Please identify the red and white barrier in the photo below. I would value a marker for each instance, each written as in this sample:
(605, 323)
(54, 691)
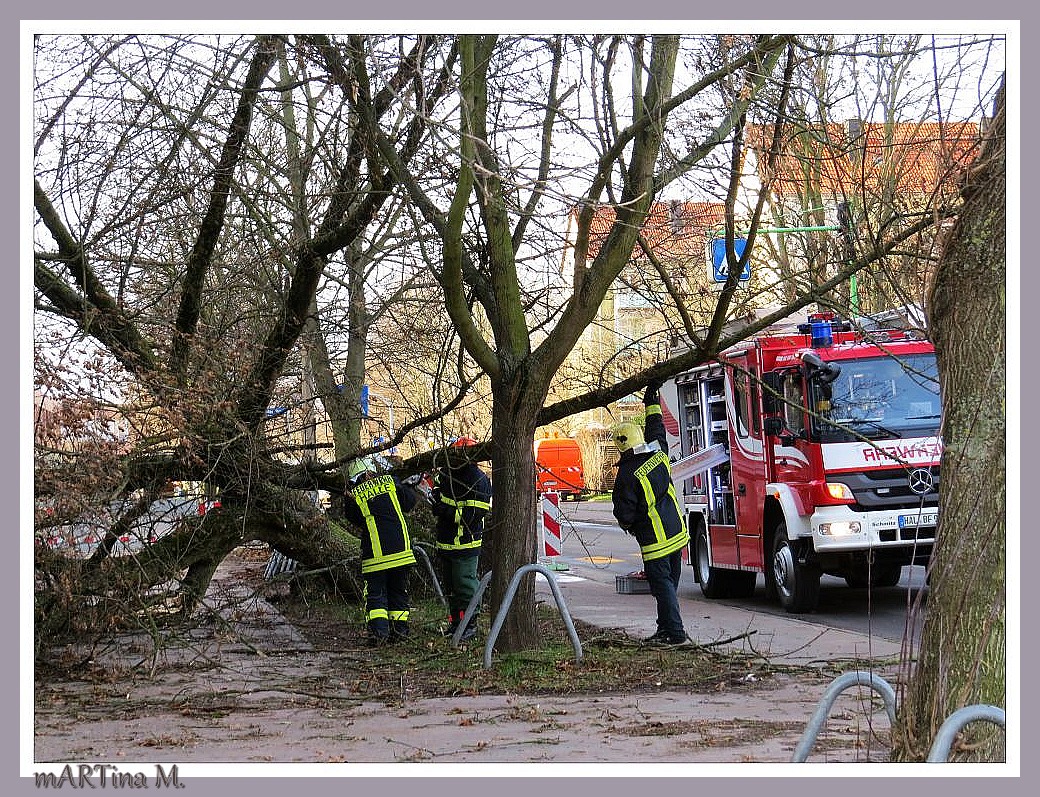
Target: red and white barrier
(552, 540)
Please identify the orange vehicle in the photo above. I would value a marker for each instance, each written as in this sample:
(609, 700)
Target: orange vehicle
(559, 465)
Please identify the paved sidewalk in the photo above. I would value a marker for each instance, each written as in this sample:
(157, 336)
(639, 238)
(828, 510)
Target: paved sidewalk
(255, 707)
(592, 597)
(590, 594)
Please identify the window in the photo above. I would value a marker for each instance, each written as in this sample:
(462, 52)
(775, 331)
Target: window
(631, 299)
(740, 400)
(881, 398)
(794, 413)
(756, 415)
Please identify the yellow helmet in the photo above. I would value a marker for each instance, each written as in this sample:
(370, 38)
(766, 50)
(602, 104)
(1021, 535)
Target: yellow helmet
(359, 467)
(627, 435)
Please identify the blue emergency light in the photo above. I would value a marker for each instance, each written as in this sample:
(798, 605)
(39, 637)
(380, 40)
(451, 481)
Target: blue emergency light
(820, 332)
(821, 328)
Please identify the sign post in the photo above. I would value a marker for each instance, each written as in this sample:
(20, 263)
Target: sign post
(719, 268)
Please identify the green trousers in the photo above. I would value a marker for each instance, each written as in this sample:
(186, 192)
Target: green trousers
(459, 581)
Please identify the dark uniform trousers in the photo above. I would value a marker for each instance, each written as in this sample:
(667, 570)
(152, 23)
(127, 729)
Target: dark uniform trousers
(378, 505)
(463, 501)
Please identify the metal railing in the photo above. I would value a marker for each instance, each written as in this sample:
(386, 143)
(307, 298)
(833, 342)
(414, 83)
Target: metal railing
(507, 602)
(420, 548)
(940, 750)
(837, 686)
(948, 730)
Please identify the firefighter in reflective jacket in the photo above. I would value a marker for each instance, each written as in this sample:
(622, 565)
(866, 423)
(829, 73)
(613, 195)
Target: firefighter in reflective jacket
(378, 503)
(461, 501)
(646, 507)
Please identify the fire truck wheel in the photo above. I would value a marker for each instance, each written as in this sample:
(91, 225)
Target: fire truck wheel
(887, 576)
(797, 585)
(715, 583)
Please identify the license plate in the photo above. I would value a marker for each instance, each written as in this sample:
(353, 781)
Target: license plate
(922, 519)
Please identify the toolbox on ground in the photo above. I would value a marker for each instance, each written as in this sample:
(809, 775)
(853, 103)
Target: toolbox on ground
(634, 583)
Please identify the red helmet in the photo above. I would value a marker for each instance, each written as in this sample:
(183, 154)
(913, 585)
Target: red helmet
(465, 440)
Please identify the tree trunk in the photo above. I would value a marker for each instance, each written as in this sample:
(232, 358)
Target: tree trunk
(963, 658)
(511, 538)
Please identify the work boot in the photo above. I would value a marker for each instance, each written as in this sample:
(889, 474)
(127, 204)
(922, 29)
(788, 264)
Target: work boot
(469, 633)
(378, 632)
(449, 629)
(674, 640)
(399, 631)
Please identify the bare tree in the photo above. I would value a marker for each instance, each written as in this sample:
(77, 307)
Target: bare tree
(221, 217)
(623, 174)
(963, 655)
(194, 256)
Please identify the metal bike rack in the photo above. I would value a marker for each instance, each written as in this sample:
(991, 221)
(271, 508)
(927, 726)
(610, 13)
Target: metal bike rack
(420, 549)
(943, 740)
(940, 751)
(467, 615)
(837, 686)
(507, 602)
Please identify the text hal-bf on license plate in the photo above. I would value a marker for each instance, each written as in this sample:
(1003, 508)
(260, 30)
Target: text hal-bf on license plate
(922, 519)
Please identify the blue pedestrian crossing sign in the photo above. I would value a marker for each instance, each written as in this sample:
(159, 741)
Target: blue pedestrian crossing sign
(719, 267)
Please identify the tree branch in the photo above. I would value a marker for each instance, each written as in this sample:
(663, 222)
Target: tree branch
(199, 260)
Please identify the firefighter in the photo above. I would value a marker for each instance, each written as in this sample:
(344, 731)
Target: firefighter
(378, 503)
(646, 507)
(461, 501)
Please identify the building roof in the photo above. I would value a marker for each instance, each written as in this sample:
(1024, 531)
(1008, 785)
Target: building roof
(844, 159)
(674, 230)
(852, 157)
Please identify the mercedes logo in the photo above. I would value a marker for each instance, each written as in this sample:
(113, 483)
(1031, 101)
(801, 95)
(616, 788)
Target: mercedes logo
(920, 481)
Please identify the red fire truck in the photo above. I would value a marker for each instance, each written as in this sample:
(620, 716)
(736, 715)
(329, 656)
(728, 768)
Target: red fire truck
(817, 451)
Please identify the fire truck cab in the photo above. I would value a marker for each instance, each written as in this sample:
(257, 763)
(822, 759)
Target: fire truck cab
(826, 460)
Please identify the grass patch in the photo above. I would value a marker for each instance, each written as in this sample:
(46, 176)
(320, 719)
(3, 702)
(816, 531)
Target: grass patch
(427, 665)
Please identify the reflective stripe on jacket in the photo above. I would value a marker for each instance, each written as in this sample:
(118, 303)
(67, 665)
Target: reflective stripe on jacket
(645, 503)
(463, 503)
(379, 505)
